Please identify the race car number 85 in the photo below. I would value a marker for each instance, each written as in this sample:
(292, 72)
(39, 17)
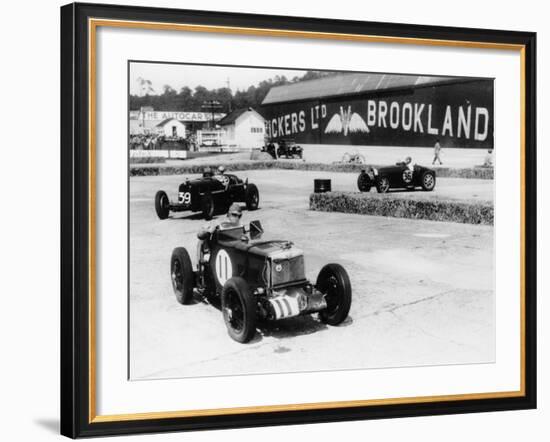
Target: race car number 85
(184, 197)
(224, 268)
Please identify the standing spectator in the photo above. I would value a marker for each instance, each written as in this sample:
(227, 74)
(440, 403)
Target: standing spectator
(437, 152)
(146, 142)
(488, 159)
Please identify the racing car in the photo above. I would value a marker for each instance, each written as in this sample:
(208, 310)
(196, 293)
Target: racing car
(210, 194)
(256, 280)
(284, 148)
(400, 176)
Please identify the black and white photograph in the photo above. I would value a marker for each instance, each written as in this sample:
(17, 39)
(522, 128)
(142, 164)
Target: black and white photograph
(287, 221)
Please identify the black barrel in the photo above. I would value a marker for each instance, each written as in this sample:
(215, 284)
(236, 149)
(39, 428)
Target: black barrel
(321, 186)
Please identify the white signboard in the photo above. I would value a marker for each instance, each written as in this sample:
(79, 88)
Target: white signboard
(180, 154)
(182, 116)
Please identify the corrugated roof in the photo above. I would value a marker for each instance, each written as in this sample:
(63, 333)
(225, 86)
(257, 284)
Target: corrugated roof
(232, 116)
(164, 122)
(346, 84)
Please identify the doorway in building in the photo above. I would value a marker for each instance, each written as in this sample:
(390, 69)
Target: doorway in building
(174, 131)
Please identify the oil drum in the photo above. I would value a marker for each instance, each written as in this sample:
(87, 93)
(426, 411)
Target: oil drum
(321, 185)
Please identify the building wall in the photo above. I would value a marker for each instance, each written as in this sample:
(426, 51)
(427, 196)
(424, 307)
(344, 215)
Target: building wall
(459, 114)
(247, 132)
(167, 129)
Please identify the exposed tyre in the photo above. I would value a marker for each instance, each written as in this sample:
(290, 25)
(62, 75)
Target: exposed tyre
(239, 309)
(222, 207)
(162, 204)
(208, 207)
(333, 281)
(363, 182)
(383, 185)
(427, 181)
(252, 197)
(181, 272)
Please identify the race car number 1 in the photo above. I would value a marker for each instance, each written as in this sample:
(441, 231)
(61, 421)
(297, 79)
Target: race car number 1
(184, 197)
(224, 268)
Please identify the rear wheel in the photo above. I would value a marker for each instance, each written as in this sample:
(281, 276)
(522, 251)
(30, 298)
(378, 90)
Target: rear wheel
(363, 182)
(207, 206)
(383, 185)
(162, 204)
(252, 197)
(181, 272)
(333, 281)
(428, 181)
(239, 309)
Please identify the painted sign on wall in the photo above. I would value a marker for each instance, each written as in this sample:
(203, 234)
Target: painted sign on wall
(181, 116)
(458, 114)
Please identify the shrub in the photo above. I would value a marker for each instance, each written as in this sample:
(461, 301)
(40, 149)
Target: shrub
(400, 207)
(147, 160)
(479, 173)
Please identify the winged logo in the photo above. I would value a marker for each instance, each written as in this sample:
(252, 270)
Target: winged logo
(346, 122)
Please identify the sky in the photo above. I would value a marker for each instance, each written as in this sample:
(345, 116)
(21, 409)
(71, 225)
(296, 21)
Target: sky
(211, 77)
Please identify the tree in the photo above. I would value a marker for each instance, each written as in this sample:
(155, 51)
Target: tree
(193, 100)
(145, 86)
(168, 90)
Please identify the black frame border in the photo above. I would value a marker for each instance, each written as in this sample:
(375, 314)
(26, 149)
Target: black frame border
(74, 181)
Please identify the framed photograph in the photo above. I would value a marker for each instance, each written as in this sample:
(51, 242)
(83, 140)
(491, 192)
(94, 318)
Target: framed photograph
(274, 220)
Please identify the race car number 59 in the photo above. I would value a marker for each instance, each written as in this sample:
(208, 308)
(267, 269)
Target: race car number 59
(184, 197)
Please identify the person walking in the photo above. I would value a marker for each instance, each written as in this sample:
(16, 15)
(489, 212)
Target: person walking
(488, 162)
(437, 152)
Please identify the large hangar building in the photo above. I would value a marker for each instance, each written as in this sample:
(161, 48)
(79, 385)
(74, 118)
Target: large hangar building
(383, 110)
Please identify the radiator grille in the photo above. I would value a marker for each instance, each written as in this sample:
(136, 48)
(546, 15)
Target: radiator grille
(288, 270)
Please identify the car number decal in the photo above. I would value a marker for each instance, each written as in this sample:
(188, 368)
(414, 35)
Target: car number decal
(407, 176)
(224, 268)
(184, 197)
(222, 179)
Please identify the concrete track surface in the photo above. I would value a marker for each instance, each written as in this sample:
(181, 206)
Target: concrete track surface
(423, 291)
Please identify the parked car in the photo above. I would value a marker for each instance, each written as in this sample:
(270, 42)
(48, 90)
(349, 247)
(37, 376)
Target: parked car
(353, 158)
(400, 176)
(210, 194)
(258, 280)
(286, 148)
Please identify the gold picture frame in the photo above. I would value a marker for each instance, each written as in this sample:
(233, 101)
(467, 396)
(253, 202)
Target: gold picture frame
(79, 54)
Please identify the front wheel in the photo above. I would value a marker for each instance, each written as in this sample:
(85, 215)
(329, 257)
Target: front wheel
(333, 281)
(162, 204)
(363, 182)
(428, 181)
(239, 309)
(181, 272)
(383, 185)
(252, 197)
